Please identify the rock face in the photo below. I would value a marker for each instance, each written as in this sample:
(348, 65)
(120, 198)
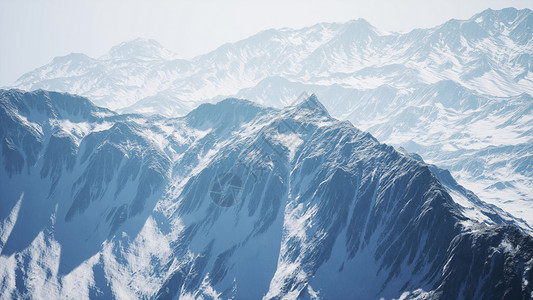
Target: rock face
(236, 200)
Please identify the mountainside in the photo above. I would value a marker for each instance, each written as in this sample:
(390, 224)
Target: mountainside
(485, 141)
(236, 200)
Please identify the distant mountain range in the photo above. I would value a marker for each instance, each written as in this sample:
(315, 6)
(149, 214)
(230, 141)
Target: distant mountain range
(490, 53)
(236, 200)
(458, 94)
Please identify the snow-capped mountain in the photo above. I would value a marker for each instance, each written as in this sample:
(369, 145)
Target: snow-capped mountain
(490, 53)
(458, 94)
(141, 49)
(129, 72)
(235, 200)
(485, 141)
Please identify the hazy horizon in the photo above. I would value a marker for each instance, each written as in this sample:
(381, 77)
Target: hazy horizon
(34, 32)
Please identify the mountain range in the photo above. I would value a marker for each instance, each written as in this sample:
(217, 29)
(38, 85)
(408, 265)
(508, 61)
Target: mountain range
(490, 53)
(236, 200)
(458, 94)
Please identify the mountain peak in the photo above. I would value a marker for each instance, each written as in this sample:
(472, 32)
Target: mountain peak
(508, 11)
(140, 48)
(516, 23)
(507, 15)
(360, 22)
(313, 104)
(360, 28)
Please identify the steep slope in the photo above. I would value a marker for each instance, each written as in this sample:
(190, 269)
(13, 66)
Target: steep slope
(234, 200)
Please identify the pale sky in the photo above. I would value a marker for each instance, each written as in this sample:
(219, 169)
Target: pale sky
(33, 32)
